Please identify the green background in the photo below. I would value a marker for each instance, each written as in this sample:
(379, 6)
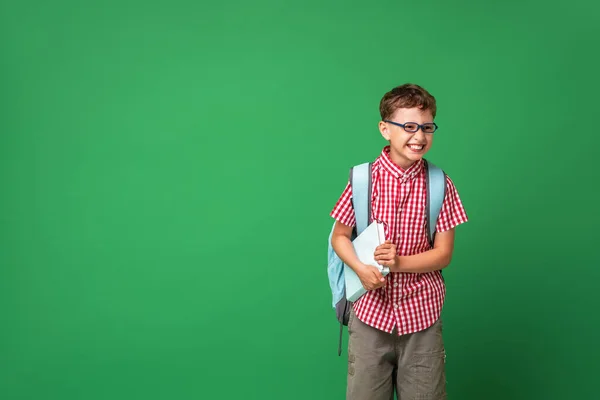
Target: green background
(168, 169)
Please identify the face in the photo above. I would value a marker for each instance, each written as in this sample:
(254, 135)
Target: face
(406, 148)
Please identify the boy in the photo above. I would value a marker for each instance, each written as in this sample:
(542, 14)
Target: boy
(395, 330)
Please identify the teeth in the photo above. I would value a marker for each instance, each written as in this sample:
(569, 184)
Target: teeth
(415, 147)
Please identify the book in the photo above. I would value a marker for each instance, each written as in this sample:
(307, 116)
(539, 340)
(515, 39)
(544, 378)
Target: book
(364, 246)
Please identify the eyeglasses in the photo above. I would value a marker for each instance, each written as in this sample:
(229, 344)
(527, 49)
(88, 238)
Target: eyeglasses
(413, 127)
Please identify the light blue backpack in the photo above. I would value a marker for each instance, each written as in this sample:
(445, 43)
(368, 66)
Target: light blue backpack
(360, 180)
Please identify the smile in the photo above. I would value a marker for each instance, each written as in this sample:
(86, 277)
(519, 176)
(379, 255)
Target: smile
(416, 147)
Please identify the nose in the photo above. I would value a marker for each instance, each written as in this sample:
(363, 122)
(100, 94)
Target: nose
(419, 134)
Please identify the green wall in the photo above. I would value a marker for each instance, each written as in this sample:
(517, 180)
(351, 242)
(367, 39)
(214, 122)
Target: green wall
(168, 169)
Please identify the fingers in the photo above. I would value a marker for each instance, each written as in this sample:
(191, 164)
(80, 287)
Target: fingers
(374, 280)
(378, 276)
(378, 285)
(382, 252)
(386, 246)
(386, 257)
(385, 253)
(371, 286)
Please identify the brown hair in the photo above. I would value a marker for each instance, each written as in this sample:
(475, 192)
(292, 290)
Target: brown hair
(406, 96)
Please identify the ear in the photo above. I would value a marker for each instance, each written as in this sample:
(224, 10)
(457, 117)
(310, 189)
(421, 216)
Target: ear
(383, 128)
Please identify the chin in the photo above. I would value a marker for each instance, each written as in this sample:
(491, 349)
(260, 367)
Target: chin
(414, 157)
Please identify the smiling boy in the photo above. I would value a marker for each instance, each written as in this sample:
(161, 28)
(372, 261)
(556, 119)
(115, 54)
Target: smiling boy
(395, 329)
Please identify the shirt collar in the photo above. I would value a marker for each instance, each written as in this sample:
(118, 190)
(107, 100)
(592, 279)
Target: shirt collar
(398, 172)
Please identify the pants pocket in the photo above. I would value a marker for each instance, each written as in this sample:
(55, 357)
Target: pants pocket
(429, 374)
(351, 317)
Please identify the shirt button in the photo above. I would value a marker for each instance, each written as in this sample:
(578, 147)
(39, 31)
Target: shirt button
(396, 284)
(396, 306)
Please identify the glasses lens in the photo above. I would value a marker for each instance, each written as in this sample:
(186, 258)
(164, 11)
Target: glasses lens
(429, 128)
(410, 127)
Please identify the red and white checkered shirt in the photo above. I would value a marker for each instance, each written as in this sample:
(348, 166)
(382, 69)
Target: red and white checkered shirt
(409, 301)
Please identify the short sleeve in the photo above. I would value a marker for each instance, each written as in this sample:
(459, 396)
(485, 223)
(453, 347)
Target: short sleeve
(343, 210)
(452, 213)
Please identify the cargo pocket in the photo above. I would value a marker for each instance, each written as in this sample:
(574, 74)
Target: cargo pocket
(429, 375)
(351, 317)
(351, 361)
(351, 344)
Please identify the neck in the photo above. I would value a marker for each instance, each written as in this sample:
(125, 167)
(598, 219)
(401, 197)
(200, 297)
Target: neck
(401, 161)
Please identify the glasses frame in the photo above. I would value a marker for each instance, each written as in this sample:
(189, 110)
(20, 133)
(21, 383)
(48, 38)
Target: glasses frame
(419, 126)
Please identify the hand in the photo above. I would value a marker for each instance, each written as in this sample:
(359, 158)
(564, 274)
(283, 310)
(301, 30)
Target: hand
(386, 255)
(371, 278)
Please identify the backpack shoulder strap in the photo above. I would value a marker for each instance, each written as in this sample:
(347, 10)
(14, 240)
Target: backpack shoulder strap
(436, 191)
(360, 179)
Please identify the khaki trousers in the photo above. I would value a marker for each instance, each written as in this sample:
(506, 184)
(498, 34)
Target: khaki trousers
(412, 365)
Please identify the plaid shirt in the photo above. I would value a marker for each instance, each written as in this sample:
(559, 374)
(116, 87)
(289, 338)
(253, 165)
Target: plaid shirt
(409, 301)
